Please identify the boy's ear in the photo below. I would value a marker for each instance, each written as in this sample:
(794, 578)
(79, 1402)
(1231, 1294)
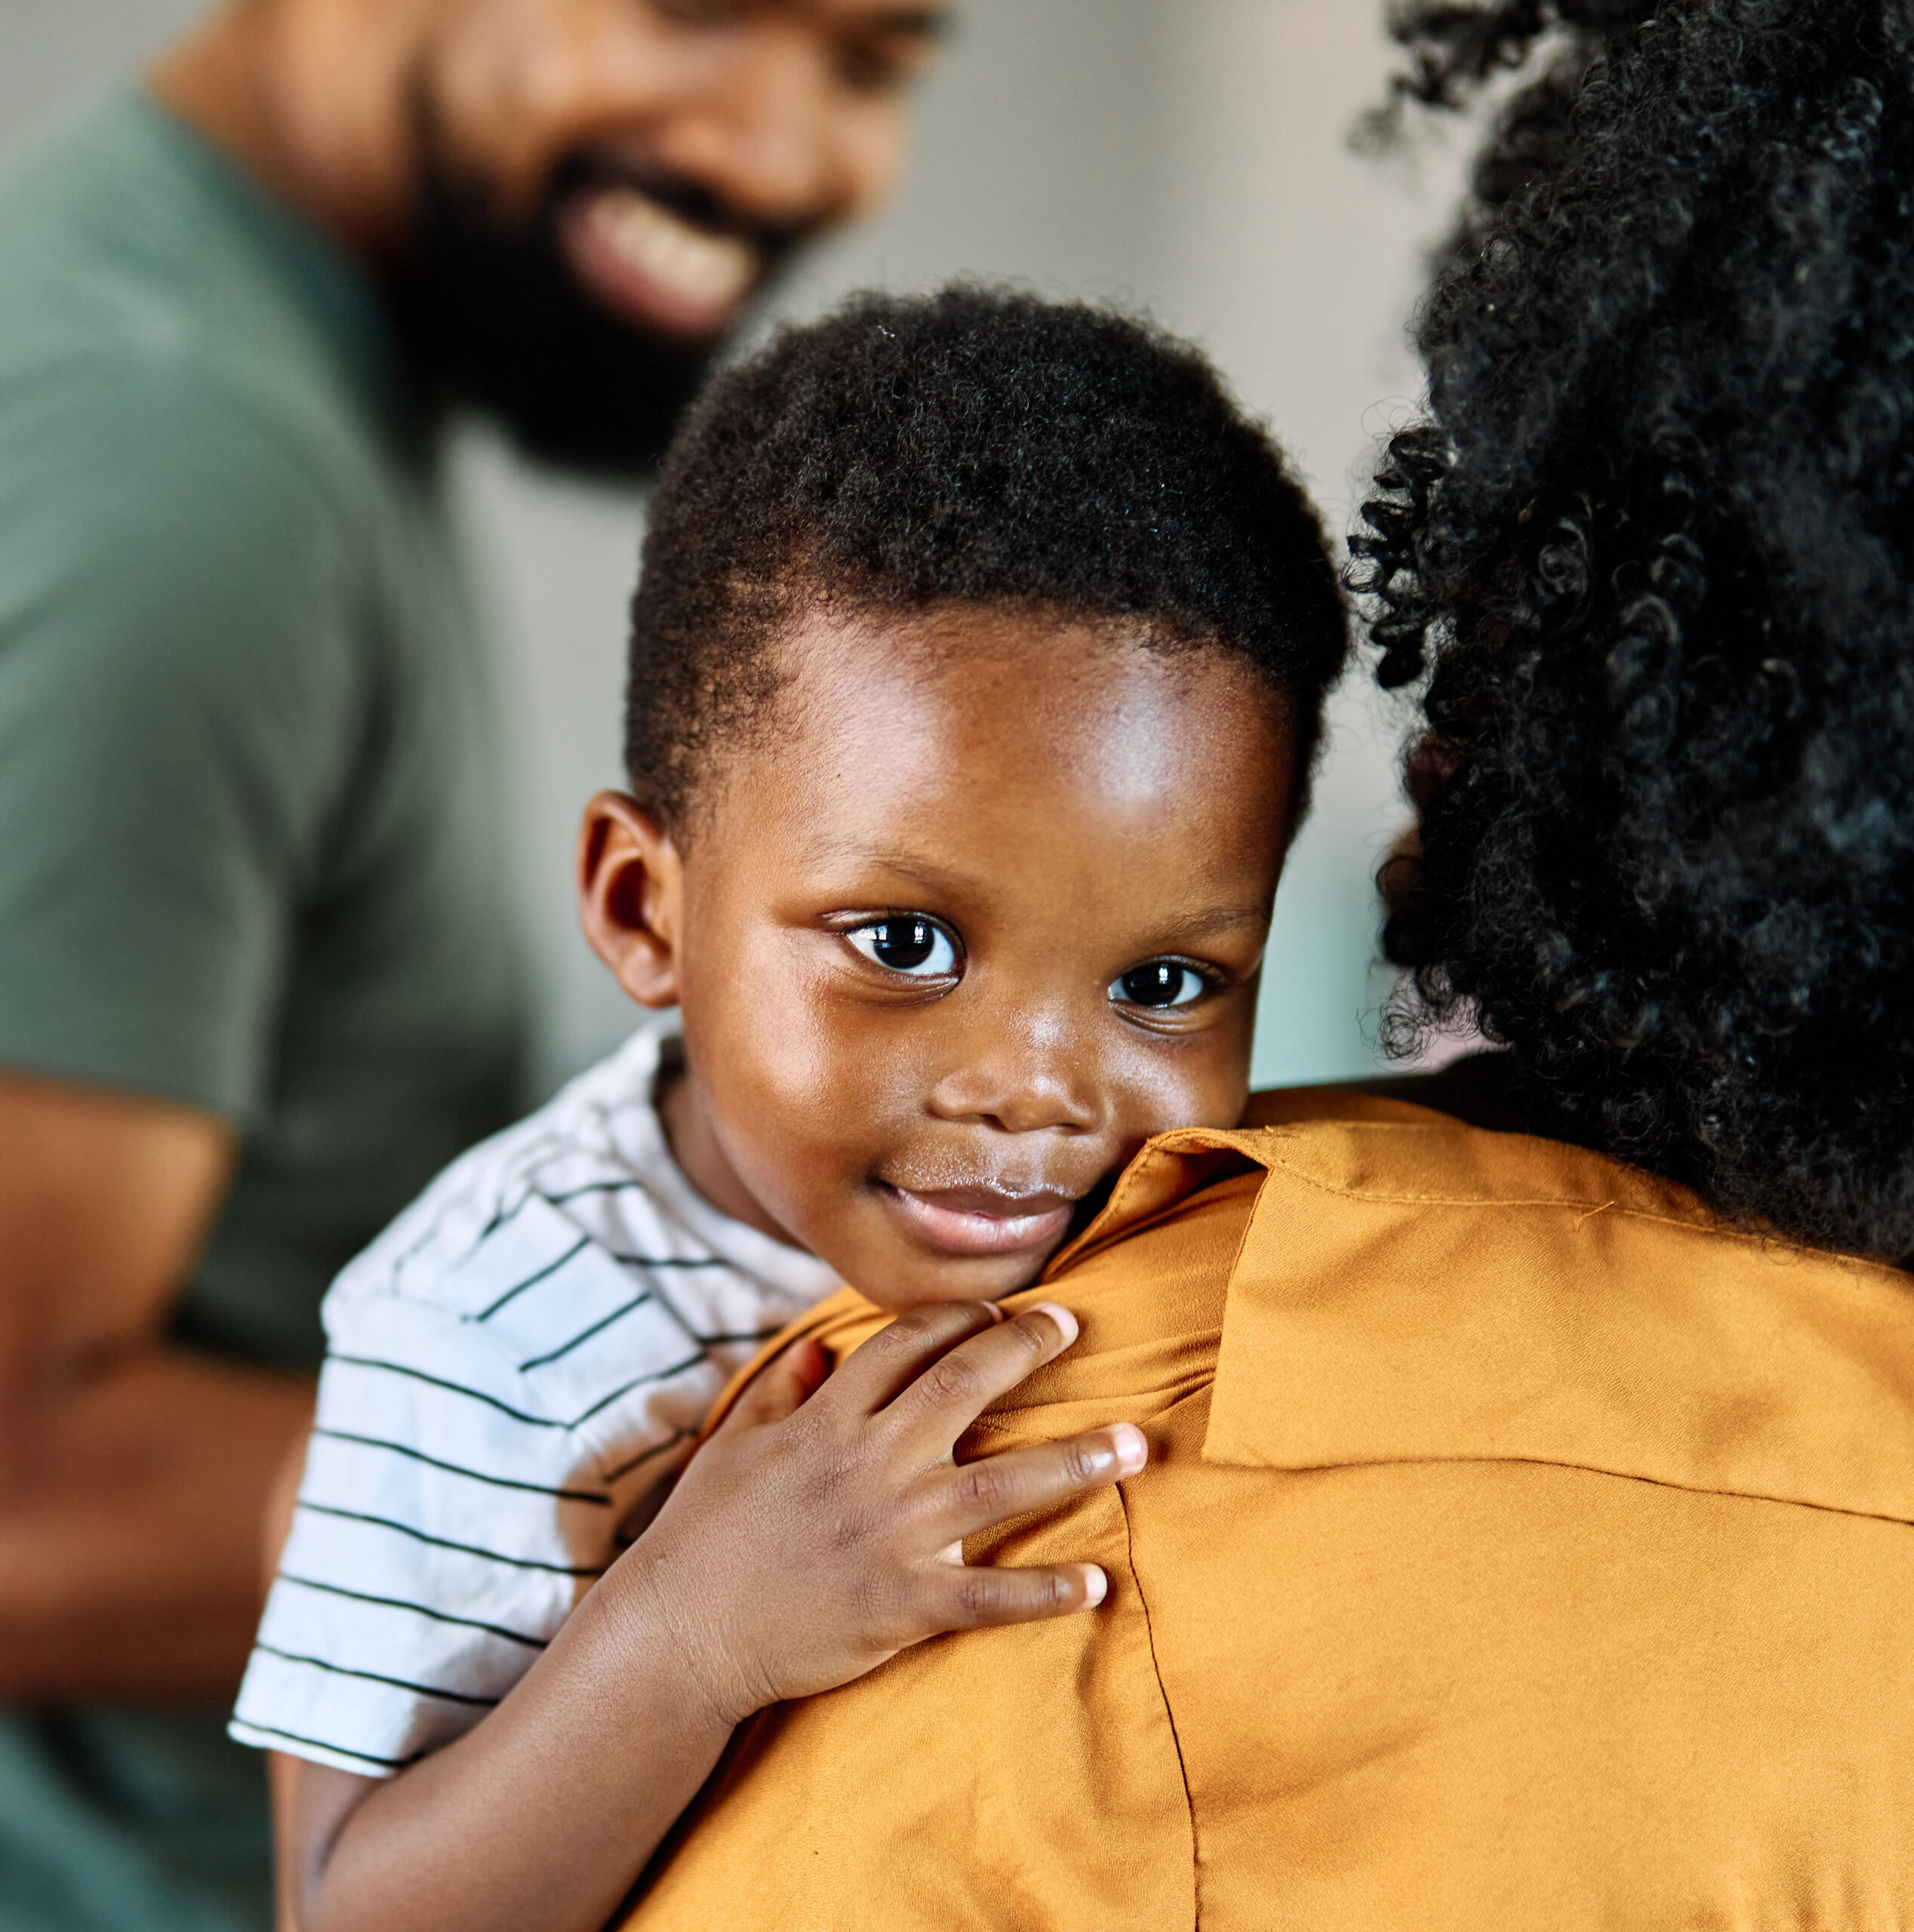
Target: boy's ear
(631, 896)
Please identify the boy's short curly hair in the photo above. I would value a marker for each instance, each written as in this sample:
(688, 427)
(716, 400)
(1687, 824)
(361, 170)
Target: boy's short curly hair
(976, 446)
(1654, 550)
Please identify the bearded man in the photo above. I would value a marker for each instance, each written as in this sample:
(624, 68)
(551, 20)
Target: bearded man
(257, 981)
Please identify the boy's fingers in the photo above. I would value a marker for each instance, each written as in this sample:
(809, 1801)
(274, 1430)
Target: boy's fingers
(953, 1391)
(895, 1357)
(977, 1496)
(976, 1599)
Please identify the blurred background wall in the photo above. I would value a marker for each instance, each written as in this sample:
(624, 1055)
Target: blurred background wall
(1188, 157)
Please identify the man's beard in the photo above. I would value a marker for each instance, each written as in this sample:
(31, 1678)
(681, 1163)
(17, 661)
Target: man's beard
(493, 316)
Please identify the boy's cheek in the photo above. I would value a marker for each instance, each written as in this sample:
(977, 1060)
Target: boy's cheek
(806, 1150)
(1204, 1082)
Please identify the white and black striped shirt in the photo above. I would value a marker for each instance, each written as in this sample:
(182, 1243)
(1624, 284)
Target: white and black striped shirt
(511, 1368)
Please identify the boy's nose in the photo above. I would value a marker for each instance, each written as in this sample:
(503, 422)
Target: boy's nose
(1022, 1079)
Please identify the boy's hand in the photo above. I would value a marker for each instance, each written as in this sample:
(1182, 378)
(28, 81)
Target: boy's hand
(809, 1539)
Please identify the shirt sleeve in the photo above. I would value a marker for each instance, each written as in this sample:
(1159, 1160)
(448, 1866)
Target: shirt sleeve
(182, 681)
(447, 1525)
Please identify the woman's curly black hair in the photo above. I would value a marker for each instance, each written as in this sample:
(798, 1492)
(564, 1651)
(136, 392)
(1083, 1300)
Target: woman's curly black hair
(1654, 549)
(977, 446)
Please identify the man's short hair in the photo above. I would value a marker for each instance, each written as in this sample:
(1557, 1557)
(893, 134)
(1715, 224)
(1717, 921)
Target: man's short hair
(977, 447)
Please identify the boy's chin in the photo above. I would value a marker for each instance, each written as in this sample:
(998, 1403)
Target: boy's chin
(916, 1279)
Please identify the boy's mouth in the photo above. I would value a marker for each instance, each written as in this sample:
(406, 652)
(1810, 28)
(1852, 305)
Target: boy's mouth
(981, 1220)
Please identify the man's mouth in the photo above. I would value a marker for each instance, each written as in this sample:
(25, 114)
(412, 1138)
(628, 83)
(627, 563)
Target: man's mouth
(982, 1219)
(652, 266)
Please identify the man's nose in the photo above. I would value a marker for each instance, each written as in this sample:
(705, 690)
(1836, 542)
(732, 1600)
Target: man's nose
(766, 138)
(1024, 1077)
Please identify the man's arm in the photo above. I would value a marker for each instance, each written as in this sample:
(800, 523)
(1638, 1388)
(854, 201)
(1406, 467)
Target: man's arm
(133, 1474)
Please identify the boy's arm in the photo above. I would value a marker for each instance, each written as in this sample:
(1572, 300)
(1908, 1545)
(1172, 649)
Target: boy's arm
(807, 1541)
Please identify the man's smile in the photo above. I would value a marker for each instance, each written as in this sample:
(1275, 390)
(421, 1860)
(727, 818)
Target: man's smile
(651, 266)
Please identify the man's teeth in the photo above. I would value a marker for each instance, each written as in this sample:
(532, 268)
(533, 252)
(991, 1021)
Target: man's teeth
(713, 271)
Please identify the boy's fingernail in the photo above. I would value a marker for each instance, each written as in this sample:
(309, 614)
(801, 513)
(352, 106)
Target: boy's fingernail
(1063, 1318)
(1096, 1586)
(1132, 1447)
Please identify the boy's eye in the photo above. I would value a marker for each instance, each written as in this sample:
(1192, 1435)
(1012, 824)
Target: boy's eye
(908, 944)
(1161, 984)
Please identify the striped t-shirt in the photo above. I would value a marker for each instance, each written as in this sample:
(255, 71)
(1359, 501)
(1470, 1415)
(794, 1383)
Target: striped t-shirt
(513, 1368)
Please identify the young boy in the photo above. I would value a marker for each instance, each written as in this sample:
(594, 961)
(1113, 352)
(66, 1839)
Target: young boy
(977, 669)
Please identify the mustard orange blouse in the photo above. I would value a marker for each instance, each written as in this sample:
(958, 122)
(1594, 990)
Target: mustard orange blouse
(1521, 1550)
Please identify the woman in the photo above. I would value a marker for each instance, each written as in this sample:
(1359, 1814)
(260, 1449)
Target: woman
(1656, 547)
(1527, 1538)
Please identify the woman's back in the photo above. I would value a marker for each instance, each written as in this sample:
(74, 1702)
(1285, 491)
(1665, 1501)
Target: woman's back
(1518, 1547)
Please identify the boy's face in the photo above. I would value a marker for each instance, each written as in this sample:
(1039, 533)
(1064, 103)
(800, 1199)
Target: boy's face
(982, 912)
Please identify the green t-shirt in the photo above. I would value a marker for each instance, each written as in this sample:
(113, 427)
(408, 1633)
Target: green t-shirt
(249, 851)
